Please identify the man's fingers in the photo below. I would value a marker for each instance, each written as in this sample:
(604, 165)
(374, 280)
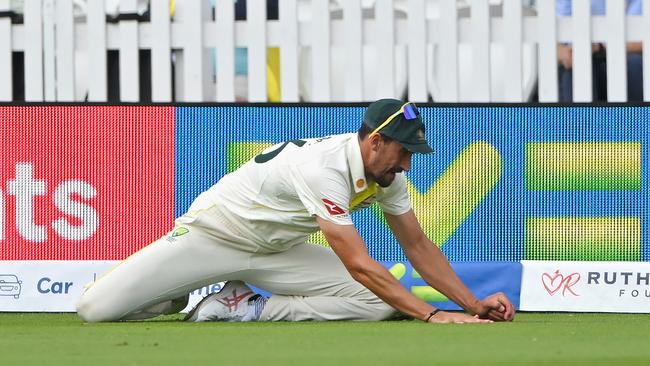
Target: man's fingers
(500, 308)
(460, 318)
(505, 306)
(479, 320)
(509, 309)
(508, 313)
(496, 315)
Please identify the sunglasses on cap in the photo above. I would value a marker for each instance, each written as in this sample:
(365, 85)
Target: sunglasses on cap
(409, 110)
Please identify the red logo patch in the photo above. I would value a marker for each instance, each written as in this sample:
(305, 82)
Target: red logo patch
(332, 208)
(557, 281)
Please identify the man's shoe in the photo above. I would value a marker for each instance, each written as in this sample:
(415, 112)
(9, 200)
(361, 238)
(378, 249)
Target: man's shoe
(229, 305)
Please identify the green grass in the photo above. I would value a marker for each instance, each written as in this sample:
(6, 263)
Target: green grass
(533, 339)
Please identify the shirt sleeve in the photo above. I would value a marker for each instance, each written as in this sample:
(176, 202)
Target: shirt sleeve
(324, 193)
(394, 199)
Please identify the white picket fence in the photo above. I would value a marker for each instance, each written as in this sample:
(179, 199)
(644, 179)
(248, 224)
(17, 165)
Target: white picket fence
(348, 50)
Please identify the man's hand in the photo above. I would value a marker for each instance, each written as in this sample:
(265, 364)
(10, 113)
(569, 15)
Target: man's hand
(497, 307)
(457, 318)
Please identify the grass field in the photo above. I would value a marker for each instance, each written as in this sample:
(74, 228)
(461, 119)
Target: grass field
(533, 339)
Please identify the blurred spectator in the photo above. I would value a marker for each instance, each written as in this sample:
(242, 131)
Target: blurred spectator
(599, 60)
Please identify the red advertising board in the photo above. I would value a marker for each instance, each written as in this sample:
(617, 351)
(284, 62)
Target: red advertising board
(82, 182)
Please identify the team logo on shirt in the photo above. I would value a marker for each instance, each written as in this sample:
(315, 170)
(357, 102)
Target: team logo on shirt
(176, 233)
(332, 208)
(180, 231)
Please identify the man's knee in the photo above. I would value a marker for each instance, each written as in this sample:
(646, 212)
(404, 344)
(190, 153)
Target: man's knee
(92, 309)
(94, 306)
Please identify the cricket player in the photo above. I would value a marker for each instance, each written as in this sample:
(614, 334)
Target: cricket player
(252, 226)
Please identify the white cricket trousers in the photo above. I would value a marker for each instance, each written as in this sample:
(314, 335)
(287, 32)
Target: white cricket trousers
(308, 281)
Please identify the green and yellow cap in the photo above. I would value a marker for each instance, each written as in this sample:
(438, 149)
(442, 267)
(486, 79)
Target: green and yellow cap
(400, 121)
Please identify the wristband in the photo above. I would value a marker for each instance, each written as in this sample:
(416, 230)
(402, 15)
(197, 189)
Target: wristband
(431, 314)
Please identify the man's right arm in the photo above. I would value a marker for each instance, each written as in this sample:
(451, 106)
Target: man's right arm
(350, 248)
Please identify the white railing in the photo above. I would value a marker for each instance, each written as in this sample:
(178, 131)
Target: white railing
(348, 50)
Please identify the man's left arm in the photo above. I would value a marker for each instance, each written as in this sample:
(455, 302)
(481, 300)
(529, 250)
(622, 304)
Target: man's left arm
(435, 269)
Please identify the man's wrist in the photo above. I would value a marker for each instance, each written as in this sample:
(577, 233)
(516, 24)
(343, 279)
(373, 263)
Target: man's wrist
(431, 315)
(478, 308)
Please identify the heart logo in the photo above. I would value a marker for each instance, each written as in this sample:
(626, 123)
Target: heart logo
(553, 283)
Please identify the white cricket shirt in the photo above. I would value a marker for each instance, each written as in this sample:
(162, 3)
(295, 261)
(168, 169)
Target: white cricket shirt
(270, 203)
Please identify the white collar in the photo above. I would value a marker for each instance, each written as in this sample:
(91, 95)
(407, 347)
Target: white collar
(355, 161)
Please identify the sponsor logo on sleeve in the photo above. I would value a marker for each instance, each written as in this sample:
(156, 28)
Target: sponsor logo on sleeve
(332, 208)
